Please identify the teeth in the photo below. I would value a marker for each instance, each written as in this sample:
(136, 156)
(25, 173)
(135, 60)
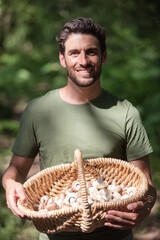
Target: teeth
(84, 71)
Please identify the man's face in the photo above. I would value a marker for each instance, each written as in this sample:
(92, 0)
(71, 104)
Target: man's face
(82, 59)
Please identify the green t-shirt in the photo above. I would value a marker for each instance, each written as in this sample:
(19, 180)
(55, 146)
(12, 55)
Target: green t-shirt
(105, 127)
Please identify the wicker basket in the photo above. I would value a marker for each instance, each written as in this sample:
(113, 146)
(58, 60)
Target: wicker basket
(85, 218)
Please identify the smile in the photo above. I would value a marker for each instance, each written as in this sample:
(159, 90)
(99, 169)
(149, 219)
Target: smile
(84, 70)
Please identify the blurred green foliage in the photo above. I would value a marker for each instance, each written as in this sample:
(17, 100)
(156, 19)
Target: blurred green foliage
(29, 64)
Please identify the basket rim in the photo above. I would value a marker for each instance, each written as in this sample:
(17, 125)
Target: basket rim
(68, 210)
(87, 160)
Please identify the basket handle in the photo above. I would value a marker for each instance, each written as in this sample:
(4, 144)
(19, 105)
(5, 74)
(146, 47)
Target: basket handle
(86, 216)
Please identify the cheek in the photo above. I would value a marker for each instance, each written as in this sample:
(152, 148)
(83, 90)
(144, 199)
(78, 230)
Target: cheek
(71, 63)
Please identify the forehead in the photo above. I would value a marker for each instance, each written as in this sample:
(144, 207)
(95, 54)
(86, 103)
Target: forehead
(81, 41)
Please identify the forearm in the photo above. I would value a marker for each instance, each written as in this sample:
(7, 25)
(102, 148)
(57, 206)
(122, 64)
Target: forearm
(150, 197)
(144, 165)
(17, 170)
(13, 179)
(12, 175)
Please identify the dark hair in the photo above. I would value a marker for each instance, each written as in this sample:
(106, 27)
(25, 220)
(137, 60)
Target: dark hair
(84, 26)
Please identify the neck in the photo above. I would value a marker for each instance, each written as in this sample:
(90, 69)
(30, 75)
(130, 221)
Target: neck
(74, 94)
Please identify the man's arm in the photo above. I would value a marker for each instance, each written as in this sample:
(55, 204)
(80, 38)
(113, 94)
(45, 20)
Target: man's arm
(13, 179)
(138, 211)
(144, 165)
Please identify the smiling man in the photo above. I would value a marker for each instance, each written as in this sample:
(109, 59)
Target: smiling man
(81, 115)
(83, 59)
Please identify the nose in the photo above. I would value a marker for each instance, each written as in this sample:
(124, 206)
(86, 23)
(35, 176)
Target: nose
(83, 60)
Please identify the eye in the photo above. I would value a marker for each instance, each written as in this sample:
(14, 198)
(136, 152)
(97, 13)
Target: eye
(74, 53)
(92, 52)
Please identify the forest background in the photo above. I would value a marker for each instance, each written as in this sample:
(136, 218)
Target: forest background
(29, 67)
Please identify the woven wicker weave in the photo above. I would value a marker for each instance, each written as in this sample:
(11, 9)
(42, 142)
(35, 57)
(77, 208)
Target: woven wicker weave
(86, 218)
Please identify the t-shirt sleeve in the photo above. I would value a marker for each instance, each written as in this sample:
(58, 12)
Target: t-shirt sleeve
(138, 144)
(25, 144)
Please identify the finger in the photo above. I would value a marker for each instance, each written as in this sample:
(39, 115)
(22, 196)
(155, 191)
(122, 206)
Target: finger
(135, 206)
(20, 194)
(119, 222)
(12, 204)
(118, 227)
(122, 218)
(122, 215)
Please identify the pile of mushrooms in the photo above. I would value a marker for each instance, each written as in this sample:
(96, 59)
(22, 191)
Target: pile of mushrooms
(98, 191)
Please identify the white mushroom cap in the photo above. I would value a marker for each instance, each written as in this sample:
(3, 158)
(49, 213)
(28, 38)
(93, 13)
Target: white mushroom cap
(89, 184)
(93, 190)
(74, 204)
(44, 199)
(79, 200)
(59, 202)
(43, 202)
(75, 186)
(52, 206)
(116, 195)
(62, 195)
(70, 198)
(106, 195)
(125, 196)
(50, 201)
(90, 201)
(102, 185)
(131, 191)
(114, 188)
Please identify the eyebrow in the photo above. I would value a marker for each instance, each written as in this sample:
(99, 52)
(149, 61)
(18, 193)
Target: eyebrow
(88, 49)
(73, 50)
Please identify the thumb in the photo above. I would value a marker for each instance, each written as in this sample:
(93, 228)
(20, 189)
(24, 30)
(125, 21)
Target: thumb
(21, 195)
(135, 206)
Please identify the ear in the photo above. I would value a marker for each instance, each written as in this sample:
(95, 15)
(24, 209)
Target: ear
(104, 57)
(62, 60)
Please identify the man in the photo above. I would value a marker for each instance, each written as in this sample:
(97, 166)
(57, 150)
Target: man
(81, 115)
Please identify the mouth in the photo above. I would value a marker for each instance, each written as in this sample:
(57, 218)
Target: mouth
(84, 71)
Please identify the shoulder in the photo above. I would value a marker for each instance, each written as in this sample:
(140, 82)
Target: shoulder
(42, 102)
(120, 108)
(41, 105)
(116, 101)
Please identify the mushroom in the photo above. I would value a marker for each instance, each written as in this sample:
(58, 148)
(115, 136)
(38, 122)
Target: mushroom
(70, 198)
(62, 195)
(116, 195)
(90, 201)
(93, 190)
(75, 186)
(50, 201)
(100, 184)
(114, 188)
(66, 205)
(41, 206)
(131, 191)
(124, 196)
(74, 204)
(59, 202)
(52, 206)
(43, 202)
(79, 200)
(106, 195)
(89, 184)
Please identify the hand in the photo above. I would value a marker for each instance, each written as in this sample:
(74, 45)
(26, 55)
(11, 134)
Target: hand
(137, 212)
(15, 191)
